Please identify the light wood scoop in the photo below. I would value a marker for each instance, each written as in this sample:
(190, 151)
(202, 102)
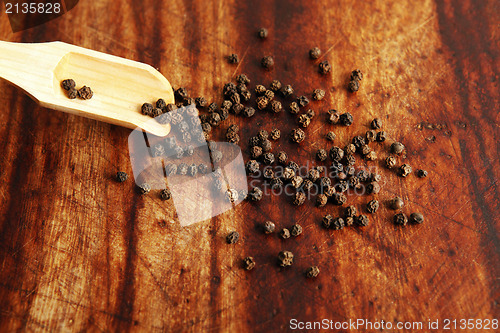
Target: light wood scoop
(120, 85)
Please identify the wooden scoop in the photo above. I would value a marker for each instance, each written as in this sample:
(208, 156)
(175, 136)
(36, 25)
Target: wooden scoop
(120, 85)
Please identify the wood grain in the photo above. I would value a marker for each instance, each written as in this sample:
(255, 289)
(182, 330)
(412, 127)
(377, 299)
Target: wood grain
(80, 252)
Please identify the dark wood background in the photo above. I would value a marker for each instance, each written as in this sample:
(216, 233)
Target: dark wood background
(80, 252)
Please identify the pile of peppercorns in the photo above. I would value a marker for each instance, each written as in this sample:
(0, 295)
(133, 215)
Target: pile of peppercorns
(237, 101)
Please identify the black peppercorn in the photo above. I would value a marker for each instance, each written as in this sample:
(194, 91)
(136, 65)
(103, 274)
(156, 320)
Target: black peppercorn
(248, 112)
(243, 79)
(381, 136)
(346, 119)
(202, 168)
(298, 135)
(68, 84)
(165, 194)
(333, 116)
(400, 219)
(268, 227)
(405, 170)
(296, 181)
(353, 85)
(356, 75)
(275, 134)
(248, 263)
(302, 101)
(147, 109)
(268, 173)
(321, 200)
(296, 230)
(85, 92)
(294, 166)
(349, 220)
(314, 53)
(232, 237)
(312, 272)
(299, 198)
(285, 258)
(144, 188)
(255, 152)
(286, 91)
(267, 62)
(321, 155)
(269, 94)
(72, 93)
(233, 59)
(262, 33)
(397, 203)
(284, 233)
(268, 158)
(276, 106)
(350, 149)
(373, 188)
(361, 220)
(261, 102)
(307, 185)
(294, 108)
(275, 85)
(336, 153)
(416, 218)
(372, 206)
(304, 120)
(182, 169)
(337, 223)
(252, 166)
(327, 221)
(339, 199)
(421, 173)
(350, 211)
(397, 148)
(376, 123)
(318, 94)
(282, 157)
(255, 194)
(324, 67)
(371, 136)
(276, 183)
(330, 136)
(121, 176)
(390, 162)
(181, 93)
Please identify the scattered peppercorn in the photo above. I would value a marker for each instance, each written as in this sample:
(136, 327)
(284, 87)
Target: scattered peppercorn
(165, 194)
(233, 58)
(373, 188)
(321, 155)
(405, 170)
(397, 203)
(330, 136)
(232, 237)
(286, 91)
(372, 206)
(400, 219)
(285, 233)
(353, 85)
(361, 220)
(276, 106)
(275, 85)
(312, 272)
(269, 227)
(350, 211)
(285, 258)
(318, 94)
(303, 120)
(68, 84)
(72, 93)
(262, 33)
(144, 188)
(417, 218)
(299, 198)
(275, 134)
(390, 162)
(298, 135)
(381, 136)
(294, 108)
(376, 123)
(346, 119)
(333, 116)
(337, 223)
(324, 67)
(314, 53)
(255, 194)
(243, 79)
(296, 230)
(421, 173)
(121, 176)
(267, 62)
(327, 221)
(282, 157)
(321, 200)
(85, 92)
(397, 148)
(248, 263)
(231, 195)
(302, 101)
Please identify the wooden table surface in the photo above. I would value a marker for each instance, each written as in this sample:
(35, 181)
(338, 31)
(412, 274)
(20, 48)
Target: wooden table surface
(81, 252)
